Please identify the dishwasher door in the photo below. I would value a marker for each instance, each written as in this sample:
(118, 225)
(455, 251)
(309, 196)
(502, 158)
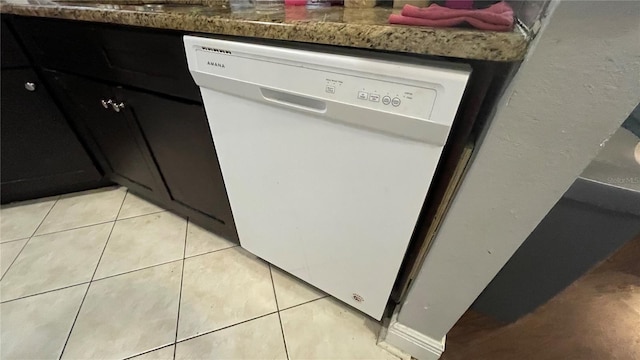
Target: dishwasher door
(330, 203)
(320, 185)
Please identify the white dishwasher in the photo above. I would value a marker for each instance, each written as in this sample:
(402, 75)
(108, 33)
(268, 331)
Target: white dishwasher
(326, 158)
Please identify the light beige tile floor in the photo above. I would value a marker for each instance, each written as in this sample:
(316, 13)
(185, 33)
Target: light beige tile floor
(8, 252)
(106, 275)
(82, 209)
(135, 206)
(21, 220)
(143, 241)
(54, 261)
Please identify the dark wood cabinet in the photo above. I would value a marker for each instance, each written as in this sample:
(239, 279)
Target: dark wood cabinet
(130, 97)
(179, 137)
(40, 154)
(111, 131)
(159, 147)
(151, 60)
(63, 45)
(12, 56)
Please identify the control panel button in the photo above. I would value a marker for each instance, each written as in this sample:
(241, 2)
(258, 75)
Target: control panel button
(363, 95)
(330, 89)
(395, 102)
(374, 97)
(386, 100)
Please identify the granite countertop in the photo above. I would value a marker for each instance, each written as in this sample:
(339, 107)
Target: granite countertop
(359, 28)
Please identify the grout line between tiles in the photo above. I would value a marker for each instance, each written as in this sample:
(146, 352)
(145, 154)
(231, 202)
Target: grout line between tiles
(134, 270)
(149, 351)
(151, 213)
(29, 239)
(44, 292)
(209, 252)
(184, 253)
(98, 223)
(14, 240)
(15, 258)
(223, 328)
(304, 303)
(74, 228)
(108, 277)
(75, 319)
(100, 279)
(42, 221)
(275, 295)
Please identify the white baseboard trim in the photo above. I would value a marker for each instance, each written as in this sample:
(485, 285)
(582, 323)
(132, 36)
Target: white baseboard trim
(394, 350)
(410, 341)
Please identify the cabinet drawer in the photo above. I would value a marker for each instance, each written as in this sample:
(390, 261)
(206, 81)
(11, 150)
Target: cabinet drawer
(154, 61)
(12, 55)
(142, 58)
(62, 45)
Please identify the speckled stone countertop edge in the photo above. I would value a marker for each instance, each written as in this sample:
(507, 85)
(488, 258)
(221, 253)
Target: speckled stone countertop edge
(455, 43)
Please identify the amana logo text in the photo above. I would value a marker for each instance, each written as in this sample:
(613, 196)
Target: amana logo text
(216, 64)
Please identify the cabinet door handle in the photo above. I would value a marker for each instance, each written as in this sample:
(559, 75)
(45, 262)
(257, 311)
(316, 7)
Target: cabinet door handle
(106, 103)
(29, 86)
(117, 107)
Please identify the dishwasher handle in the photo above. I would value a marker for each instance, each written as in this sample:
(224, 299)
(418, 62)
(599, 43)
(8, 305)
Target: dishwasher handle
(293, 100)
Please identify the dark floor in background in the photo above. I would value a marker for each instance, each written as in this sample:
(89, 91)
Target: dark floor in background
(596, 317)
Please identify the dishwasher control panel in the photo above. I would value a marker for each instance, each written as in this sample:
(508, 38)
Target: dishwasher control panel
(333, 83)
(380, 95)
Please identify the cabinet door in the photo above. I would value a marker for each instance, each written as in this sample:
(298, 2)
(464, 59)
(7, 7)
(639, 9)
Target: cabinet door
(40, 154)
(116, 138)
(178, 135)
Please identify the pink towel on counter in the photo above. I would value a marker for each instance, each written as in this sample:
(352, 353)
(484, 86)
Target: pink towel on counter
(497, 17)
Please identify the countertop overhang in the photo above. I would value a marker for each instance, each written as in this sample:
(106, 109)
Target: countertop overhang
(349, 27)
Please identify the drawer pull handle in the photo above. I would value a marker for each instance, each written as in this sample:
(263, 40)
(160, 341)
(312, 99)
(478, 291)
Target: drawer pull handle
(29, 86)
(117, 107)
(106, 103)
